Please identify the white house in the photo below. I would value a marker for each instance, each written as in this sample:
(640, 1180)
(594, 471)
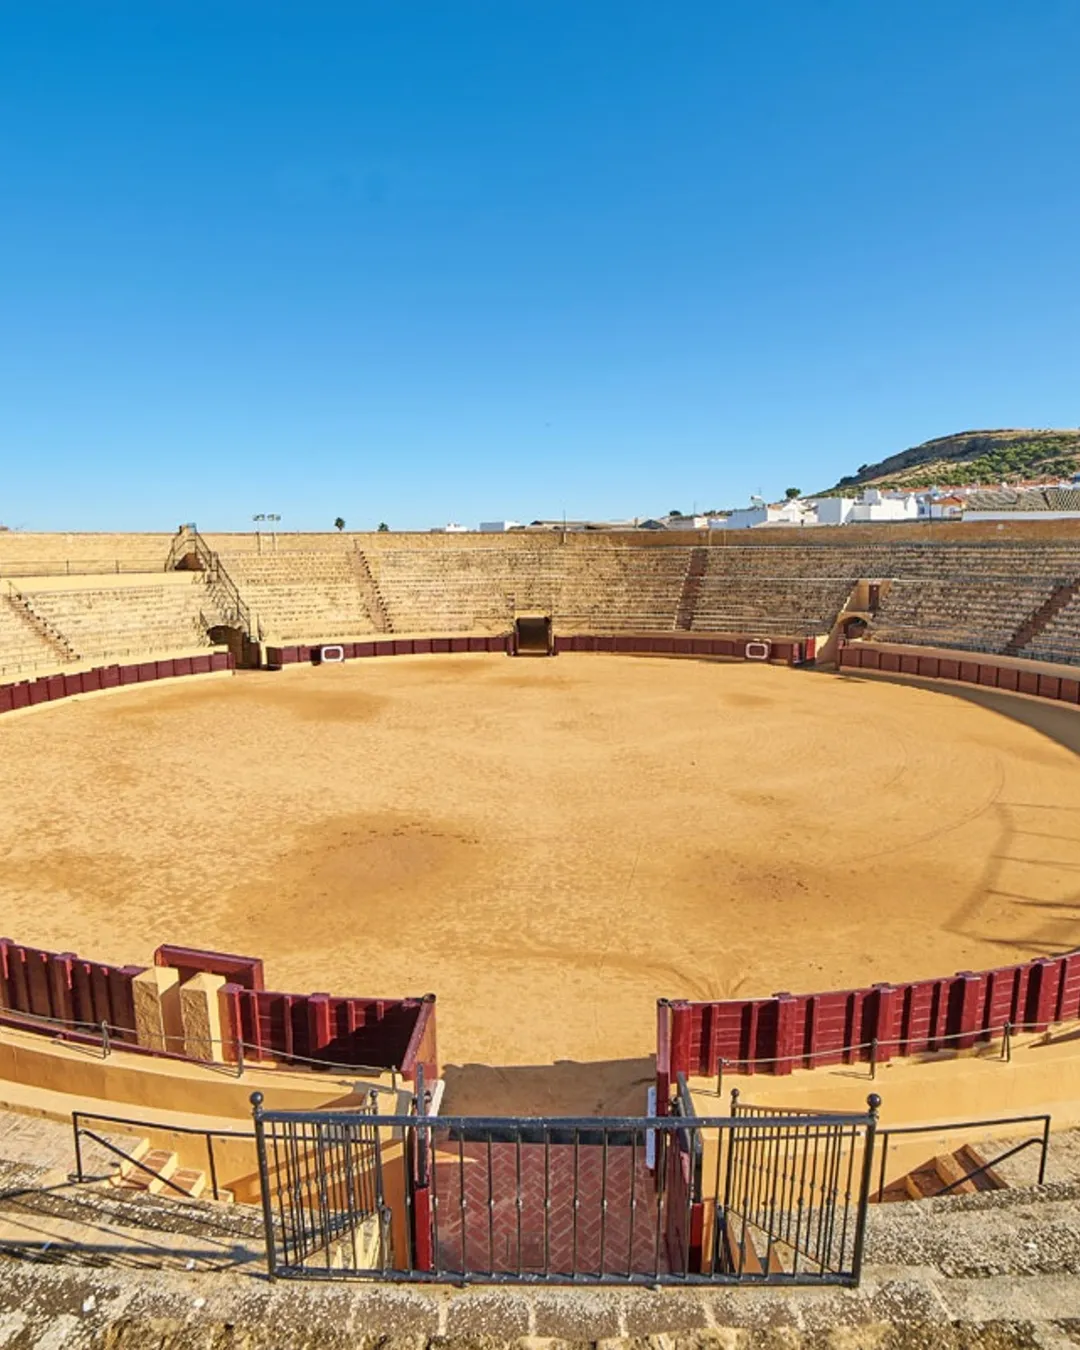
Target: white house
(832, 510)
(875, 505)
(758, 513)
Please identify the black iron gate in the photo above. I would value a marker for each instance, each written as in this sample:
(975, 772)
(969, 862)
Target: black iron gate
(758, 1196)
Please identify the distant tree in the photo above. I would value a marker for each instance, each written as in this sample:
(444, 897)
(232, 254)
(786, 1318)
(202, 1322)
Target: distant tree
(383, 527)
(792, 493)
(675, 513)
(339, 523)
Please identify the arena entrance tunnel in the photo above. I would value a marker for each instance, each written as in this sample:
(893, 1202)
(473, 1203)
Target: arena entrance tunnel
(533, 635)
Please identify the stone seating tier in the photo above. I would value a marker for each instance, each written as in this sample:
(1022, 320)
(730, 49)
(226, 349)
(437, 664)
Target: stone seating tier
(21, 648)
(97, 622)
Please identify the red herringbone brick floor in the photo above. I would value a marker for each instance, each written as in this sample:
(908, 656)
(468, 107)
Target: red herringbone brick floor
(477, 1226)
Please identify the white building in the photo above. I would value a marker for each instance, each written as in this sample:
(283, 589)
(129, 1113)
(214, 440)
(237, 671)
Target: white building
(833, 510)
(759, 513)
(875, 505)
(687, 522)
(498, 526)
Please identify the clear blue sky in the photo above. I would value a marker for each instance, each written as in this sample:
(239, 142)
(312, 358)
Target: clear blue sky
(421, 260)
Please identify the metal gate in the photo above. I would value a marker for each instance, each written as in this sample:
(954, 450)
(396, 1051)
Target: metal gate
(324, 1207)
(755, 1197)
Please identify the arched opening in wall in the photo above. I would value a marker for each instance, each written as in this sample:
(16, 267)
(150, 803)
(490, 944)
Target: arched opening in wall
(245, 652)
(855, 627)
(533, 635)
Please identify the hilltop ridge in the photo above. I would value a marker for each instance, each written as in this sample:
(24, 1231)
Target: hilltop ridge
(973, 459)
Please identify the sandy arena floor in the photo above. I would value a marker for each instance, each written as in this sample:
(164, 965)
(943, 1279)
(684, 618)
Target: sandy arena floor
(548, 845)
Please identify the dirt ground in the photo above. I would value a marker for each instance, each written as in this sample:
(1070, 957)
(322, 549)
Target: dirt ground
(549, 845)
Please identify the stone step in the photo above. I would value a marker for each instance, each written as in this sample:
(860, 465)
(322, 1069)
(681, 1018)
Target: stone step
(158, 1166)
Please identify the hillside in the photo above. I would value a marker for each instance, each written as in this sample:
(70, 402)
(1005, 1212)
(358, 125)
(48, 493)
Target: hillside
(973, 458)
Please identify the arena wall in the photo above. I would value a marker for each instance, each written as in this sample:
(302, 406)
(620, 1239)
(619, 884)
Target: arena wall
(780, 651)
(63, 995)
(779, 1034)
(48, 688)
(1014, 675)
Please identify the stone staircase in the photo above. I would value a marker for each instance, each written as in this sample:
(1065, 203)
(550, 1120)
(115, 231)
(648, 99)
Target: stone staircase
(45, 632)
(373, 597)
(1035, 622)
(953, 1170)
(158, 1172)
(696, 566)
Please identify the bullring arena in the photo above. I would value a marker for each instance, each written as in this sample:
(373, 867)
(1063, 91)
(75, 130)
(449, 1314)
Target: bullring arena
(785, 790)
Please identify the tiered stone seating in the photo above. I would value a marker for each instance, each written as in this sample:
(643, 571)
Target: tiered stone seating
(114, 620)
(1060, 639)
(21, 648)
(600, 588)
(775, 589)
(972, 613)
(302, 595)
(621, 590)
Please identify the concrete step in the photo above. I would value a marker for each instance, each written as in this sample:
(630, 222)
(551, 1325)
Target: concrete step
(157, 1166)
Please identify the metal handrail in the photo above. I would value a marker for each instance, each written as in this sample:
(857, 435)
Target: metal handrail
(1043, 1140)
(217, 575)
(80, 1131)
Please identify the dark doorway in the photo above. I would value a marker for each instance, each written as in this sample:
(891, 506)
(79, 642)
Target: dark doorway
(533, 635)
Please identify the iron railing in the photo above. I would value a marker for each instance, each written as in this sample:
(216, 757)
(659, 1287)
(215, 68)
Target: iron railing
(81, 1131)
(225, 591)
(618, 1200)
(1040, 1141)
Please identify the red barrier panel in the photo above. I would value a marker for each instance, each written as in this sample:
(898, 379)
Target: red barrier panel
(246, 971)
(986, 671)
(66, 993)
(352, 1033)
(882, 1022)
(7, 698)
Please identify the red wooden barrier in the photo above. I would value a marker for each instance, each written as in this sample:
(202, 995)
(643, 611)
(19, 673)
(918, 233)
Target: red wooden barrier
(337, 1032)
(246, 971)
(48, 688)
(784, 651)
(58, 991)
(778, 1034)
(987, 671)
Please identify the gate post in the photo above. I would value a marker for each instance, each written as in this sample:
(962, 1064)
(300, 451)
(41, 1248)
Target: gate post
(264, 1182)
(874, 1104)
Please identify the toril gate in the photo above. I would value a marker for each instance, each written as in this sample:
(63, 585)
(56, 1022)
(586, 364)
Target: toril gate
(761, 1195)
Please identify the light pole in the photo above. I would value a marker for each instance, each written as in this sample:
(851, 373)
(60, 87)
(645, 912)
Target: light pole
(273, 518)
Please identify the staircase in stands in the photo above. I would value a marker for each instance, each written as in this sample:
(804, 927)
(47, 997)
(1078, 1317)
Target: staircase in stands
(696, 566)
(1035, 622)
(369, 588)
(40, 626)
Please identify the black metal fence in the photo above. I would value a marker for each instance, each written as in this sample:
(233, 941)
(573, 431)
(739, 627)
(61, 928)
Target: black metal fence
(749, 1198)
